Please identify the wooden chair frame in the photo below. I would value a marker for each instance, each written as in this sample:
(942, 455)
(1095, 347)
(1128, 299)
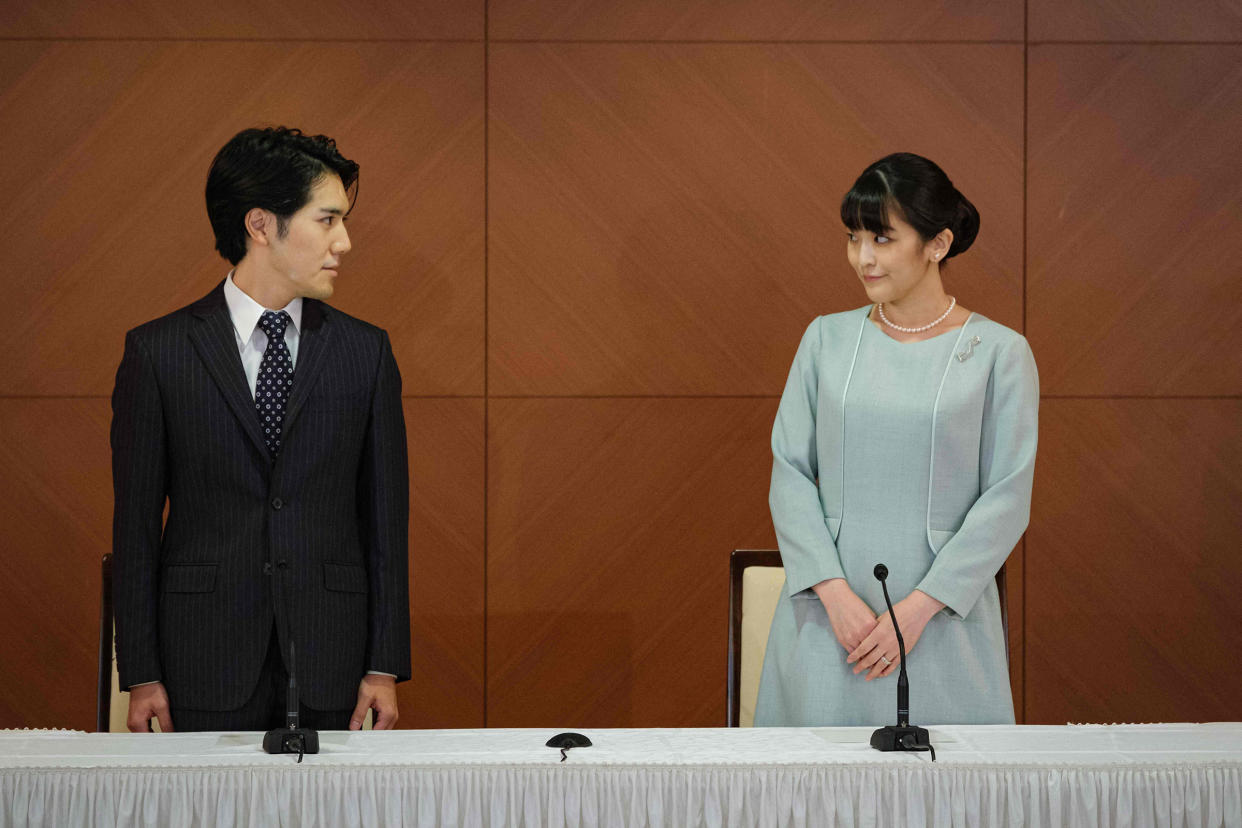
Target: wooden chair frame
(103, 707)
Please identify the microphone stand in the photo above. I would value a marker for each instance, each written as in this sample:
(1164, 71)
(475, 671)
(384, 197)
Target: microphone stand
(291, 738)
(903, 735)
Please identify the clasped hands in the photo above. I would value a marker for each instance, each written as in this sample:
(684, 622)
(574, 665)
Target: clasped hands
(869, 640)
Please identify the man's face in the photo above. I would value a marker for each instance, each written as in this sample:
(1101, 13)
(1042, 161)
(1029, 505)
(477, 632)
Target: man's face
(315, 238)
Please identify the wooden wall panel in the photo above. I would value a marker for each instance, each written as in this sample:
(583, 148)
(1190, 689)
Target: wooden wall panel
(114, 231)
(664, 219)
(56, 519)
(1132, 573)
(755, 20)
(446, 439)
(1195, 20)
(236, 19)
(1135, 219)
(610, 527)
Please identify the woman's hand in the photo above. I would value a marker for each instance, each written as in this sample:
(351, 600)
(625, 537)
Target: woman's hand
(878, 652)
(852, 620)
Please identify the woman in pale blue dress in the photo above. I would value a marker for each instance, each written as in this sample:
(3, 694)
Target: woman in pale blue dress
(905, 436)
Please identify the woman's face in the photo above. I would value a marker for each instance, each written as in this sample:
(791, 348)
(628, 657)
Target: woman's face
(895, 264)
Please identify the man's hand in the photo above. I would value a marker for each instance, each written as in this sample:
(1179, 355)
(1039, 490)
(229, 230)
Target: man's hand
(378, 693)
(147, 702)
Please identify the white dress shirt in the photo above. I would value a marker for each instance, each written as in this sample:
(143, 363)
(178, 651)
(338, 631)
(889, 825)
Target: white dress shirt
(251, 341)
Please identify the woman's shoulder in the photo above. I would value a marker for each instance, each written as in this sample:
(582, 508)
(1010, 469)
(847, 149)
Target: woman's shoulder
(1009, 349)
(833, 324)
(1001, 335)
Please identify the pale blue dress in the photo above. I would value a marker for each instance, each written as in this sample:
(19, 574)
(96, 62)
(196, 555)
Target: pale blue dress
(865, 425)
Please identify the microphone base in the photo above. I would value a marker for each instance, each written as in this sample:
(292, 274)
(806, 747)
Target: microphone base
(291, 740)
(897, 737)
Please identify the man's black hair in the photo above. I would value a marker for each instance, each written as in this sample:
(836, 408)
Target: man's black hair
(273, 169)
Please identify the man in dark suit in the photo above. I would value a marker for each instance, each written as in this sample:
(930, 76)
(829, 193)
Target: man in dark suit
(272, 425)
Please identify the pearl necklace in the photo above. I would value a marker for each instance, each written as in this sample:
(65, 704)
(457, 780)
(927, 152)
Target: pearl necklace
(903, 329)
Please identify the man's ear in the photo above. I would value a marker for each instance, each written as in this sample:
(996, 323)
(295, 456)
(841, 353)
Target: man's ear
(260, 226)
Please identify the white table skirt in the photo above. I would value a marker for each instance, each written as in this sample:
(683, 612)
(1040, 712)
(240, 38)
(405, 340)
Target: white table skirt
(1133, 775)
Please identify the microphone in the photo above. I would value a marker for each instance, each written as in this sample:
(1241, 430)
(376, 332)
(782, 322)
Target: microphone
(902, 736)
(291, 738)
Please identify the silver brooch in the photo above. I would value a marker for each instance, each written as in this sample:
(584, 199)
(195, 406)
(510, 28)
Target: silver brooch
(962, 356)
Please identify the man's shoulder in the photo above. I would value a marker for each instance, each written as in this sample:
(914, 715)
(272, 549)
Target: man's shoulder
(345, 320)
(357, 332)
(176, 322)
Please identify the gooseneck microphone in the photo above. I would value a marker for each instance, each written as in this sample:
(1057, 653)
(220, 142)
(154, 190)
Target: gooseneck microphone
(902, 736)
(903, 683)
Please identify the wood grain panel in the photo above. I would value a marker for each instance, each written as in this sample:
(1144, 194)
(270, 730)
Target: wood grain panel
(55, 525)
(1198, 20)
(610, 524)
(446, 438)
(109, 145)
(1132, 575)
(1135, 219)
(235, 19)
(755, 20)
(663, 219)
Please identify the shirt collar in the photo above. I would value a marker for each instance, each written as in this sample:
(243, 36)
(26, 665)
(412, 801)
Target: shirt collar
(245, 312)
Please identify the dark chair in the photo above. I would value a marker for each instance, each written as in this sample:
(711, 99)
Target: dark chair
(103, 707)
(743, 559)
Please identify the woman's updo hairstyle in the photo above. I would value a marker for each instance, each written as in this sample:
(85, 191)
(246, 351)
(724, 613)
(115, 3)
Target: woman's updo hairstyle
(923, 195)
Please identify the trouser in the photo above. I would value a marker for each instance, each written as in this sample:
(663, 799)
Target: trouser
(265, 709)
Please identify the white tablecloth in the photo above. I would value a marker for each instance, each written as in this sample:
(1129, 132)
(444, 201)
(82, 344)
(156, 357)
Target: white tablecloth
(1089, 775)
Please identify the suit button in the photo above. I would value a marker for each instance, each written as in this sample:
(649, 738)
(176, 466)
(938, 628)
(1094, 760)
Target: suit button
(277, 503)
(282, 565)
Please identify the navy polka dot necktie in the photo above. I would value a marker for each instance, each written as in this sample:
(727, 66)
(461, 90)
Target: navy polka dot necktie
(271, 390)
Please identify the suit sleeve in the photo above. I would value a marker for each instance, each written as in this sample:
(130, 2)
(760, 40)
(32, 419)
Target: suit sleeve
(807, 550)
(971, 558)
(139, 485)
(384, 506)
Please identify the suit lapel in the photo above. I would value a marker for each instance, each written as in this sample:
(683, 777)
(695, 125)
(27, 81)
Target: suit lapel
(216, 343)
(313, 348)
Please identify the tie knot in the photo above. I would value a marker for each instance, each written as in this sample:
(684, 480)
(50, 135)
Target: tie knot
(274, 323)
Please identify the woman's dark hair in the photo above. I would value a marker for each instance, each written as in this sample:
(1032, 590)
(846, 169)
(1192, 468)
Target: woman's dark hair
(922, 194)
(273, 169)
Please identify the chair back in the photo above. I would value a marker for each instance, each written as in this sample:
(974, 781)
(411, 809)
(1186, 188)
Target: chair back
(111, 708)
(756, 578)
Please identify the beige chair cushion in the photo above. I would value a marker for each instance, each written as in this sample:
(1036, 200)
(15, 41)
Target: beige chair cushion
(761, 589)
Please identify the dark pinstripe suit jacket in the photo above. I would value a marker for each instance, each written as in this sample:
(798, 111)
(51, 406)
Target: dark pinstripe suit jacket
(322, 531)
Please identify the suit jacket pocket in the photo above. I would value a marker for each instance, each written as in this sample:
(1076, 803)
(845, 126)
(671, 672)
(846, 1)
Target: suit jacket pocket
(340, 577)
(190, 578)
